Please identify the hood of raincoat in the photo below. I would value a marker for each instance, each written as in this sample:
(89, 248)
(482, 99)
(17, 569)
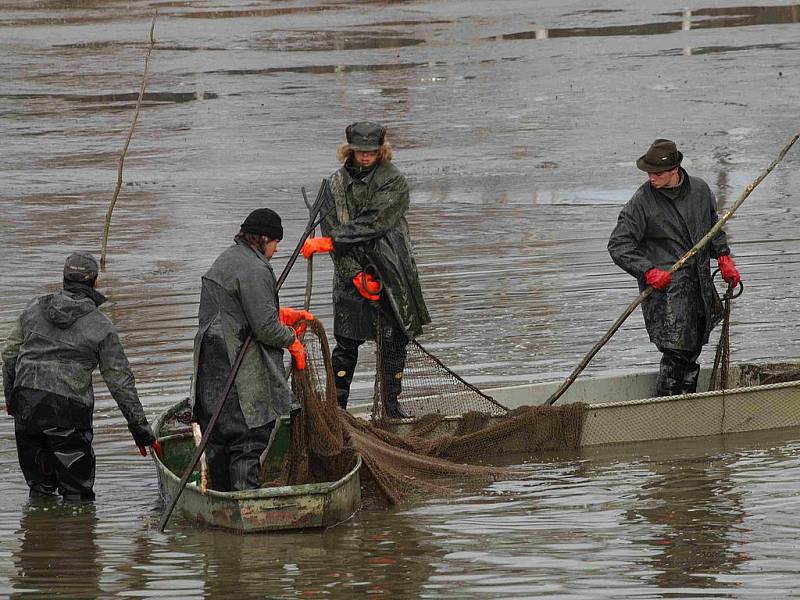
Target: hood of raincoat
(65, 307)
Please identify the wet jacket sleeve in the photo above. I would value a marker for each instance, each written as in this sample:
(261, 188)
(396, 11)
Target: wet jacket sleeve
(257, 295)
(386, 207)
(120, 381)
(10, 353)
(719, 244)
(345, 262)
(623, 245)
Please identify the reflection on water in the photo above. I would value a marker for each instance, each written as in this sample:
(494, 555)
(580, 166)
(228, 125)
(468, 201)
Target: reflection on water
(321, 69)
(327, 41)
(58, 556)
(698, 514)
(741, 16)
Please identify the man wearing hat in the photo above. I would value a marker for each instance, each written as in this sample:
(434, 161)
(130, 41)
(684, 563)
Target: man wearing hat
(366, 231)
(663, 220)
(56, 344)
(239, 298)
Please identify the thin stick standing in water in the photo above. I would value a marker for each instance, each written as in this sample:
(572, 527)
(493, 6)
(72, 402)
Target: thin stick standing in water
(310, 265)
(695, 249)
(110, 210)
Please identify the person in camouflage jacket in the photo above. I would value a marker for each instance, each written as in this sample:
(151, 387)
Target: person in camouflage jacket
(54, 347)
(663, 220)
(365, 228)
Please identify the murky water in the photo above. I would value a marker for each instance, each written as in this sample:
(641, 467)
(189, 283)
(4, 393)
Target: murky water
(517, 124)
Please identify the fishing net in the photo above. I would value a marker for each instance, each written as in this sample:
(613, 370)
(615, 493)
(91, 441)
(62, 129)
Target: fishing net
(720, 374)
(398, 468)
(420, 382)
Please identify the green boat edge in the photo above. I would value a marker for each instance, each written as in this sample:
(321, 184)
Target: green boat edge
(292, 507)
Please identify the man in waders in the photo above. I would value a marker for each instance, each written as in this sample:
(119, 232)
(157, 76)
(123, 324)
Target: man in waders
(56, 344)
(663, 220)
(239, 298)
(367, 234)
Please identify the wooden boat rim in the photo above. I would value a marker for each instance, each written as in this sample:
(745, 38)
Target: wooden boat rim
(284, 491)
(698, 395)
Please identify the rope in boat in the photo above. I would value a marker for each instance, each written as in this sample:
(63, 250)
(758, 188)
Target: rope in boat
(722, 358)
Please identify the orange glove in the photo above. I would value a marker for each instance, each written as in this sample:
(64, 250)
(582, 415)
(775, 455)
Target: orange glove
(298, 354)
(290, 316)
(155, 446)
(367, 286)
(658, 278)
(316, 244)
(728, 270)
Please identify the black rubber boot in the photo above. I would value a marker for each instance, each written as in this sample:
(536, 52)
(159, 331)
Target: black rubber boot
(395, 411)
(343, 361)
(690, 380)
(57, 460)
(670, 380)
(395, 352)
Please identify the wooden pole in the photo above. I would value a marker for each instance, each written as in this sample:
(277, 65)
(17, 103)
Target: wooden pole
(113, 202)
(682, 261)
(310, 261)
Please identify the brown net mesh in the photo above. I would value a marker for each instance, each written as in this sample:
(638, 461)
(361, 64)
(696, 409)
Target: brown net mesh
(420, 382)
(402, 466)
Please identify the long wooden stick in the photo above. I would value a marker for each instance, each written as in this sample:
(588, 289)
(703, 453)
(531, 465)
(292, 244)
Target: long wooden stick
(695, 249)
(113, 202)
(310, 261)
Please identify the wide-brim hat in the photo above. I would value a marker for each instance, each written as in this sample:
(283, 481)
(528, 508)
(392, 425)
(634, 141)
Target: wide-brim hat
(662, 155)
(365, 136)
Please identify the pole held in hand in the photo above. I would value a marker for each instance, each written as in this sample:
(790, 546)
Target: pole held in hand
(682, 261)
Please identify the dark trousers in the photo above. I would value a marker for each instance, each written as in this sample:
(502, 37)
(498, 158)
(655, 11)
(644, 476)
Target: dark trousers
(345, 357)
(678, 372)
(56, 460)
(234, 450)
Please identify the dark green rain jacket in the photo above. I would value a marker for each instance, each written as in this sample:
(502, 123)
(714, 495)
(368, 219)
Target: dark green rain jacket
(365, 216)
(57, 342)
(654, 230)
(239, 298)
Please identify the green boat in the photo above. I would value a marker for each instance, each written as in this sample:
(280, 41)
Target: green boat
(316, 505)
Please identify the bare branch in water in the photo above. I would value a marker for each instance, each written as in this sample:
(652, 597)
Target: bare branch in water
(113, 203)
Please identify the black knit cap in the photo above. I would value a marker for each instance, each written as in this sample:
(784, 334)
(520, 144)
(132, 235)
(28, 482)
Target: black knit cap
(264, 221)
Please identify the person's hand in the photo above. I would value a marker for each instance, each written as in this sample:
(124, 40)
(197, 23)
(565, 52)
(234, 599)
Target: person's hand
(367, 286)
(155, 447)
(658, 278)
(316, 244)
(290, 316)
(728, 270)
(298, 354)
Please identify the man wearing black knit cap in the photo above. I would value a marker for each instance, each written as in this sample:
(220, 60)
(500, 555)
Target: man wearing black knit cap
(239, 298)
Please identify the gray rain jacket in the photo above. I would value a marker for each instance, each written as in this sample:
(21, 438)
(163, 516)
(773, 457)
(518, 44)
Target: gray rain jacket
(57, 342)
(366, 219)
(656, 231)
(239, 298)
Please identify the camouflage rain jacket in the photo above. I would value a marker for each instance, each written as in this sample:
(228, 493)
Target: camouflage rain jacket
(365, 216)
(239, 298)
(654, 230)
(57, 342)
